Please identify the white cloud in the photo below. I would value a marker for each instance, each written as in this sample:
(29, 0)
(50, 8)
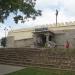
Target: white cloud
(48, 17)
(42, 4)
(69, 7)
(3, 33)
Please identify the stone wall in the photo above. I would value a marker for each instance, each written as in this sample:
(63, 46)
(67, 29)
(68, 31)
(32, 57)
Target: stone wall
(10, 42)
(24, 43)
(52, 58)
(61, 36)
(65, 35)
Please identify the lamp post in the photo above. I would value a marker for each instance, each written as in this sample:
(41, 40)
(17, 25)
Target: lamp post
(56, 16)
(5, 29)
(10, 28)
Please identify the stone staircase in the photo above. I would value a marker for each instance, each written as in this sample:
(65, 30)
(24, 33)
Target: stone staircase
(16, 56)
(56, 59)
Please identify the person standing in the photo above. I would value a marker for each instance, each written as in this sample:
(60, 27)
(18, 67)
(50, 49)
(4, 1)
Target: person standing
(67, 44)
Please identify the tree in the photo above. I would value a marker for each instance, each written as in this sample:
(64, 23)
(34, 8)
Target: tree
(3, 41)
(26, 7)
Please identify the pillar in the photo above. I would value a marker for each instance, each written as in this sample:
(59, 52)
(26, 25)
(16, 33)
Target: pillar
(34, 39)
(47, 39)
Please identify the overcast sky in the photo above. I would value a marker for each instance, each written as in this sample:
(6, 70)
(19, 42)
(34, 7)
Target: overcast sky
(66, 13)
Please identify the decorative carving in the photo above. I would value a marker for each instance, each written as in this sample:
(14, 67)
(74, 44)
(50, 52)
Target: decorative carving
(41, 29)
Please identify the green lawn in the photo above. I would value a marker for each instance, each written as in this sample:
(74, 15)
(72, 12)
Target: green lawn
(39, 71)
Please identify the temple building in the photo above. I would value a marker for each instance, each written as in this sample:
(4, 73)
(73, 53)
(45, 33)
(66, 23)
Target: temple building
(45, 36)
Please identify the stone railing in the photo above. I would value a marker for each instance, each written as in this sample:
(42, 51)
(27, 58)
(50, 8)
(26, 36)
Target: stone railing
(61, 24)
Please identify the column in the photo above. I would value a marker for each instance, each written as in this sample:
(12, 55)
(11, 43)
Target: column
(47, 39)
(34, 39)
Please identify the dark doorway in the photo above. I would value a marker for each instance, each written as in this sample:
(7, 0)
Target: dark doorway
(43, 39)
(50, 38)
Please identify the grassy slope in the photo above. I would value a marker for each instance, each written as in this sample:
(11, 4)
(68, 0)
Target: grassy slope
(39, 71)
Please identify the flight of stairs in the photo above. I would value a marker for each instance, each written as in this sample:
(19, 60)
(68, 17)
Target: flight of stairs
(57, 59)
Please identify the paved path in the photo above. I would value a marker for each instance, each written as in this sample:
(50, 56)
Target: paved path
(5, 69)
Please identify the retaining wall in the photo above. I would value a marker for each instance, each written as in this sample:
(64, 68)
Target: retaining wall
(53, 58)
